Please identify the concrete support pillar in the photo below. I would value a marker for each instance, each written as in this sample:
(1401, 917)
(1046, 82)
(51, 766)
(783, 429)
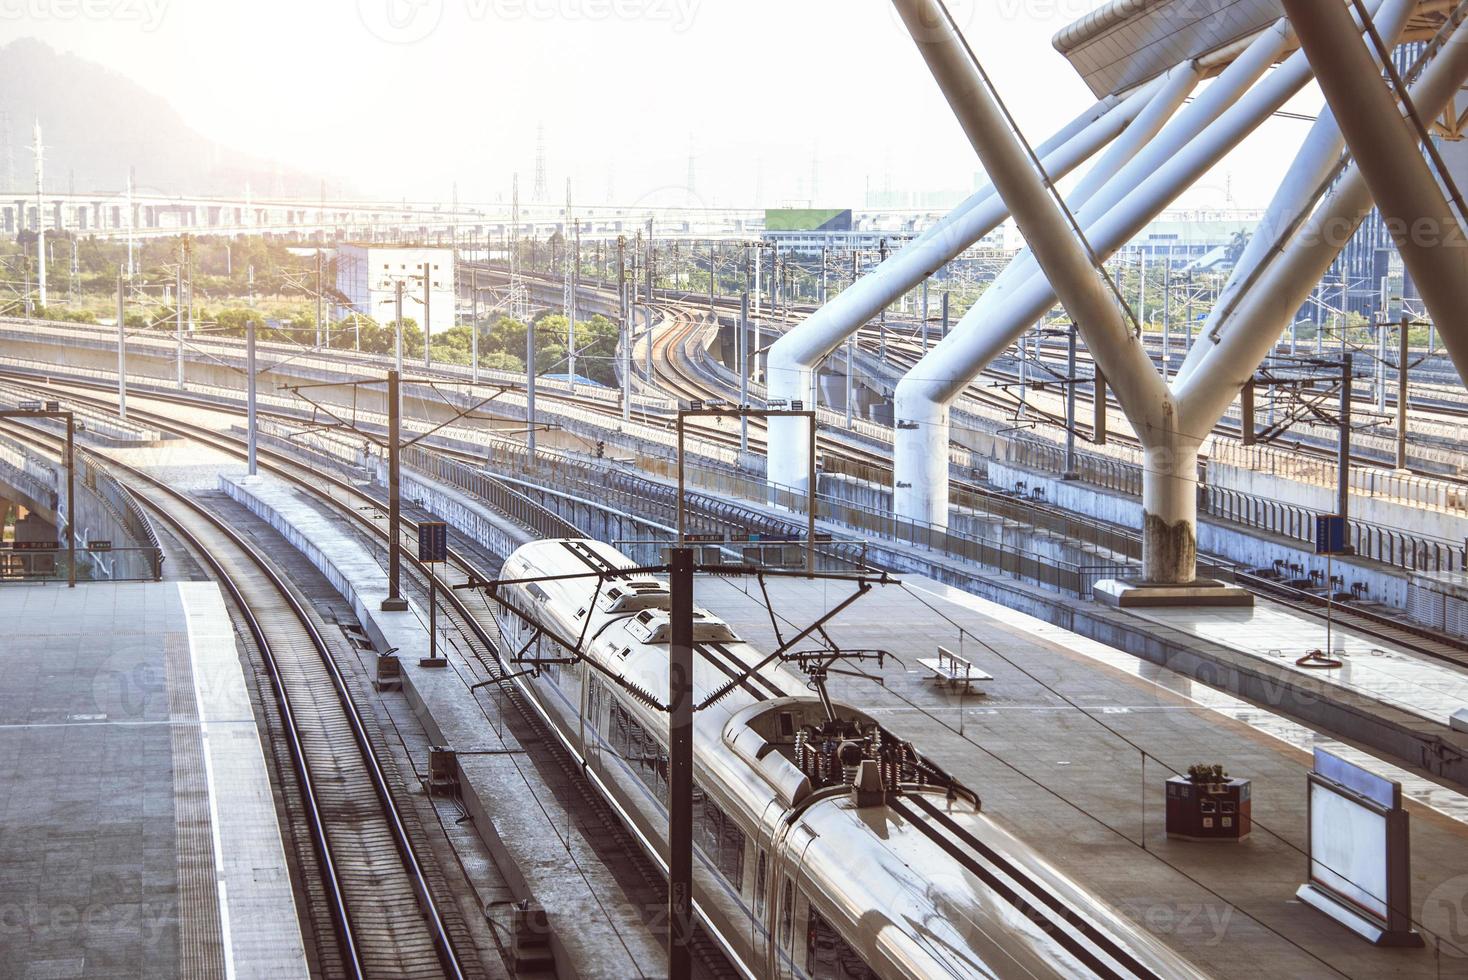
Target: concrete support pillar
(1170, 508)
(1386, 147)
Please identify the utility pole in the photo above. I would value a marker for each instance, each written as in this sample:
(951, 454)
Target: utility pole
(713, 272)
(70, 498)
(427, 313)
(1247, 425)
(743, 372)
(652, 254)
(680, 764)
(319, 284)
(882, 317)
(624, 315)
(1343, 484)
(1403, 347)
(850, 370)
(568, 263)
(40, 217)
(945, 310)
(251, 376)
(925, 316)
(121, 350)
(178, 325)
(1070, 406)
(530, 388)
(394, 601)
(1166, 311)
(474, 318)
(398, 326)
(824, 273)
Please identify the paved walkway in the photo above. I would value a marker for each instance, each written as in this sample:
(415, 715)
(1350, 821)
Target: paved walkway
(138, 833)
(1070, 747)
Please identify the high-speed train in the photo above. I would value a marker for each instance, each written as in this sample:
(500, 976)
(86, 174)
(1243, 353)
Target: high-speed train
(826, 847)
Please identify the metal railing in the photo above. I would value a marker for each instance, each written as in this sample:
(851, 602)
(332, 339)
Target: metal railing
(1390, 546)
(114, 565)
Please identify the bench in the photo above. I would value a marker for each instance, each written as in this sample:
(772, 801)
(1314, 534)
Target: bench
(950, 668)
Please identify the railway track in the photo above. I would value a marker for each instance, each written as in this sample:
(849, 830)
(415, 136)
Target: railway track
(481, 635)
(385, 910)
(1386, 629)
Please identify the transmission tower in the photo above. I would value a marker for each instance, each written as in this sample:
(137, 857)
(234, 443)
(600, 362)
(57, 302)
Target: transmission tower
(518, 306)
(542, 191)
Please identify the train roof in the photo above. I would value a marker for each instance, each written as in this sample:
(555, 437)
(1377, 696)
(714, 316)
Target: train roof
(961, 896)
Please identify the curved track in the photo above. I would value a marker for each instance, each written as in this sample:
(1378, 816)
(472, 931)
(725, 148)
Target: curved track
(387, 918)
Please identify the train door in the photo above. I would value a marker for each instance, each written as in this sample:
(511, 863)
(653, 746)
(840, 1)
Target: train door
(791, 911)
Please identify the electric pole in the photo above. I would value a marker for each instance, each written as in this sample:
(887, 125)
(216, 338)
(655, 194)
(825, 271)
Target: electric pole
(427, 317)
(394, 601)
(1343, 484)
(319, 284)
(178, 321)
(40, 216)
(625, 313)
(121, 350)
(474, 317)
(680, 764)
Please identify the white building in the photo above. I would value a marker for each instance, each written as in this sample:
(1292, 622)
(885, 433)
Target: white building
(368, 274)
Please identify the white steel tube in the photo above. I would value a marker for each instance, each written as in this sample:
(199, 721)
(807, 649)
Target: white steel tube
(1417, 215)
(1154, 179)
(1170, 548)
(1314, 164)
(792, 359)
(1288, 280)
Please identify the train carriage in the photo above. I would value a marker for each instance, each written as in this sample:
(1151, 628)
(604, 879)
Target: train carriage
(826, 847)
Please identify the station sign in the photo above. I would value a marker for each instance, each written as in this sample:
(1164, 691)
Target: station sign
(1359, 871)
(433, 541)
(36, 546)
(99, 545)
(704, 538)
(1330, 534)
(797, 405)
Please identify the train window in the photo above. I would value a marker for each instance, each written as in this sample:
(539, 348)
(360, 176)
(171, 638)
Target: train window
(787, 912)
(827, 955)
(719, 837)
(759, 885)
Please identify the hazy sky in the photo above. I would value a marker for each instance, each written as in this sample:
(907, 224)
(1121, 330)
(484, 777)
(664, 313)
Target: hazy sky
(406, 97)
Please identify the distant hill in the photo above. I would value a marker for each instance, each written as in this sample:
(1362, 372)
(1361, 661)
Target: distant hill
(97, 123)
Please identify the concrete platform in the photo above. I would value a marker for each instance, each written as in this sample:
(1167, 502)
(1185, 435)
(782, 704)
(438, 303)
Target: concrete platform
(1204, 593)
(138, 834)
(1430, 689)
(1070, 747)
(541, 849)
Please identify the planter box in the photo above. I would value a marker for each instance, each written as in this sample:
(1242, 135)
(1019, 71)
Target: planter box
(1208, 811)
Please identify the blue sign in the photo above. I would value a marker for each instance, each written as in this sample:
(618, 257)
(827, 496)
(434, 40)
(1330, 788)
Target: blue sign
(1330, 534)
(433, 541)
